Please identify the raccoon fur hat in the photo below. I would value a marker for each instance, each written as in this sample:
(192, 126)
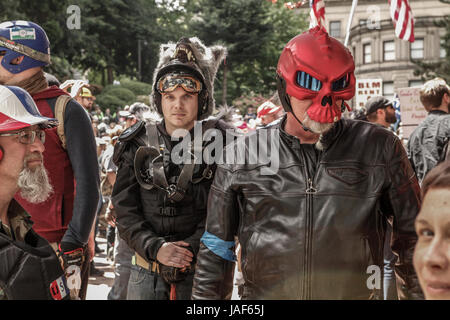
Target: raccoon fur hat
(190, 56)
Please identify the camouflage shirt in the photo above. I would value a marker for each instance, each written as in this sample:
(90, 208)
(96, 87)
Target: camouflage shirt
(19, 225)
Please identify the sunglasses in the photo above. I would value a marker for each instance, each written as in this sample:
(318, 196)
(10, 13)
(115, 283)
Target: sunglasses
(27, 136)
(171, 82)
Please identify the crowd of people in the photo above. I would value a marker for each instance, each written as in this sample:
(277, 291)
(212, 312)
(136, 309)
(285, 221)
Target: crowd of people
(298, 199)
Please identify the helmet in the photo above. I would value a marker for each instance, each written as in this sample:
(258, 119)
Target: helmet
(190, 57)
(18, 110)
(23, 38)
(85, 92)
(318, 67)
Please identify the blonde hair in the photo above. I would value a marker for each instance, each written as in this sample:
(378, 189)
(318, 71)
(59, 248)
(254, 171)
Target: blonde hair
(432, 92)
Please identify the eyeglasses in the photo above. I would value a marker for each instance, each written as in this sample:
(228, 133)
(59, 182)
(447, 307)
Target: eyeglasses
(171, 82)
(27, 136)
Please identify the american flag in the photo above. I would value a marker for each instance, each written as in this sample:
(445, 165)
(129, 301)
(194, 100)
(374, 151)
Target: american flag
(402, 17)
(317, 13)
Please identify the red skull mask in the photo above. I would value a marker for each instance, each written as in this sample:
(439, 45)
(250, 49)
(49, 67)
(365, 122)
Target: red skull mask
(317, 67)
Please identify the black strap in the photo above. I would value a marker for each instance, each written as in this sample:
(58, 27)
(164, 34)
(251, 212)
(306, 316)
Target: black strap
(175, 192)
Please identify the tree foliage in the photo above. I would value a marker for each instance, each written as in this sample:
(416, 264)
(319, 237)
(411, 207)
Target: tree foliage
(106, 46)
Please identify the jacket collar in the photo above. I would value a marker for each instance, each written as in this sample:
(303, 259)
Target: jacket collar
(438, 112)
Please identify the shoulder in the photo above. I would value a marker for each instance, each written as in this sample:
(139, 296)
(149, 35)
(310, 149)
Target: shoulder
(132, 132)
(365, 128)
(362, 133)
(131, 137)
(446, 120)
(74, 111)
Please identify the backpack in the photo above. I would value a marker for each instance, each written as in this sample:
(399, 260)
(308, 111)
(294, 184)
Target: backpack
(60, 109)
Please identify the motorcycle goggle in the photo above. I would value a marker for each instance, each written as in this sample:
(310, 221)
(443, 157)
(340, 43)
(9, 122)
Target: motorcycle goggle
(27, 136)
(171, 82)
(307, 81)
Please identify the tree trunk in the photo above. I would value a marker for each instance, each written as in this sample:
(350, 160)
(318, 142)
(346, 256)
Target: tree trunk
(103, 77)
(110, 75)
(224, 90)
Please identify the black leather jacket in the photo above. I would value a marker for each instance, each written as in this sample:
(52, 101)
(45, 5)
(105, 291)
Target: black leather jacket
(312, 230)
(147, 218)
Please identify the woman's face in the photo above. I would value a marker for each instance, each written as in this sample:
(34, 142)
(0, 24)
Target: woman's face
(432, 252)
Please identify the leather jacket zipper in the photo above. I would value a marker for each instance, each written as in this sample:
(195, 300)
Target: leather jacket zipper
(310, 191)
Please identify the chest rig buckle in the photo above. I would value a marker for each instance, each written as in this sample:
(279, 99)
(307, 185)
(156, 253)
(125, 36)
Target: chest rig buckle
(149, 168)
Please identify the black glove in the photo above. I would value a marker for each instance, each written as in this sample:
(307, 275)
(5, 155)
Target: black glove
(172, 274)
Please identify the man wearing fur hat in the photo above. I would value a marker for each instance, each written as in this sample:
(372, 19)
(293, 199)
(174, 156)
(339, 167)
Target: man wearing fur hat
(160, 203)
(312, 229)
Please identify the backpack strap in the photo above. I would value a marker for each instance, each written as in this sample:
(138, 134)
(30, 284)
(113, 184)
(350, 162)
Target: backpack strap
(60, 109)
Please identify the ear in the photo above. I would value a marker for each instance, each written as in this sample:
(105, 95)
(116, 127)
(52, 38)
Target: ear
(219, 52)
(17, 60)
(446, 97)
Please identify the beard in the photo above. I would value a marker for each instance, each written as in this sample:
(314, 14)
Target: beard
(390, 118)
(34, 184)
(317, 127)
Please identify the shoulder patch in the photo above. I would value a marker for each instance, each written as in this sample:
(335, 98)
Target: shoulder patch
(132, 131)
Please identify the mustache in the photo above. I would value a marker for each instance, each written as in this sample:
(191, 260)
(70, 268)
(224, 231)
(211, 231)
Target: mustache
(33, 156)
(317, 127)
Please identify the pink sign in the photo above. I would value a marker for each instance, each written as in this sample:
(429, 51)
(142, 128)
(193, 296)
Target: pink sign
(412, 110)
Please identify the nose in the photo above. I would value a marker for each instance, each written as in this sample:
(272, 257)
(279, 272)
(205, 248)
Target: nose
(326, 100)
(435, 256)
(178, 103)
(37, 146)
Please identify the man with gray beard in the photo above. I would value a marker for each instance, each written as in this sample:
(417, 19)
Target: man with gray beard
(30, 268)
(67, 217)
(314, 228)
(33, 183)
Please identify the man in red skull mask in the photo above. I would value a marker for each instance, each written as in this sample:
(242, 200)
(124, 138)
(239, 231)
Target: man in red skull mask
(313, 228)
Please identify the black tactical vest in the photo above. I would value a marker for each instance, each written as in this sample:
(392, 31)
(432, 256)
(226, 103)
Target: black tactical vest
(30, 270)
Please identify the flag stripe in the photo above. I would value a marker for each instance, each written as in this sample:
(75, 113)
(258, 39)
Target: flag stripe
(399, 23)
(402, 18)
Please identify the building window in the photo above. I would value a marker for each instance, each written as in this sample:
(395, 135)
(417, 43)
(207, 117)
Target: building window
(389, 50)
(335, 29)
(388, 89)
(417, 49)
(367, 51)
(442, 52)
(415, 83)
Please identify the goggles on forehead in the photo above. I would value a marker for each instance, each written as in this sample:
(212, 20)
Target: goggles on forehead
(170, 82)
